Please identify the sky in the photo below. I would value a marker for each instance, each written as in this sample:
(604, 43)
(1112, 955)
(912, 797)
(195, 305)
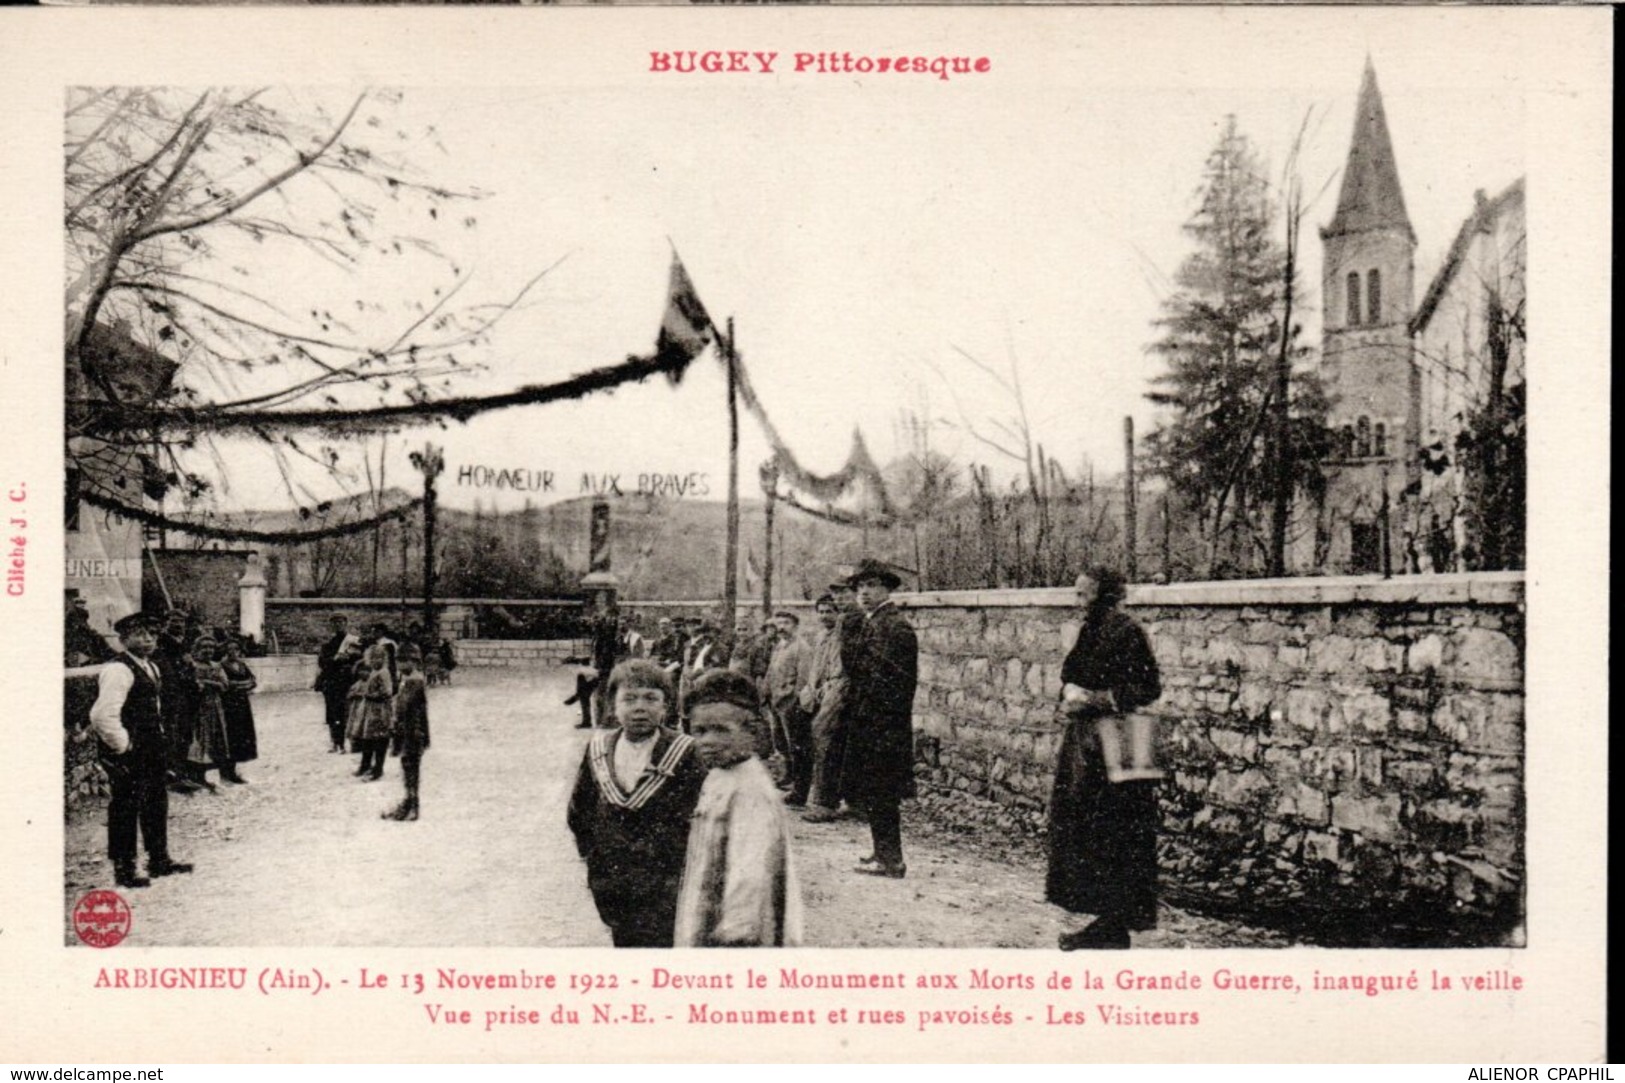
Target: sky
(862, 233)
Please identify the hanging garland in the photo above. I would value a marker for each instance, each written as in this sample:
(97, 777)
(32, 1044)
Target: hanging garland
(338, 422)
(226, 533)
(860, 465)
(832, 515)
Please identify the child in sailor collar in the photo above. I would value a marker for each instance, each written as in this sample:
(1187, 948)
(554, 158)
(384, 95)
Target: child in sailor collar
(630, 811)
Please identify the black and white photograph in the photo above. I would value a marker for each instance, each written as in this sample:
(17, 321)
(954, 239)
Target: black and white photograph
(917, 493)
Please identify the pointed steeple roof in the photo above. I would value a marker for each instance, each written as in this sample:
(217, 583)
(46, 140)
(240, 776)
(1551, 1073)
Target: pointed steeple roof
(1371, 196)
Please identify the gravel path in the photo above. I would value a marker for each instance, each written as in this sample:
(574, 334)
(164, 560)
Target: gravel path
(299, 857)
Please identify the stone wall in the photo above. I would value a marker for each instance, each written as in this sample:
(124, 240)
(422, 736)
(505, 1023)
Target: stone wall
(1346, 752)
(202, 580)
(300, 625)
(515, 652)
(284, 672)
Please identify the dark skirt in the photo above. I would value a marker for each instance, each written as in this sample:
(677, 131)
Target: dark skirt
(209, 747)
(1102, 836)
(240, 736)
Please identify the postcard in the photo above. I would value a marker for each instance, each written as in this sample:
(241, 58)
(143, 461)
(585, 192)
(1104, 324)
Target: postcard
(1075, 533)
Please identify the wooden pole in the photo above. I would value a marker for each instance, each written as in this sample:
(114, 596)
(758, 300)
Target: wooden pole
(431, 462)
(1281, 465)
(377, 506)
(770, 489)
(730, 570)
(1131, 534)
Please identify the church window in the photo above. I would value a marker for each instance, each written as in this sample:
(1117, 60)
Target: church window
(1362, 437)
(1345, 442)
(1373, 296)
(1379, 439)
(1354, 298)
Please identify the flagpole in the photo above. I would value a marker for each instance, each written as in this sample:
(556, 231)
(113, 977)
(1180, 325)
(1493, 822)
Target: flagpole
(730, 571)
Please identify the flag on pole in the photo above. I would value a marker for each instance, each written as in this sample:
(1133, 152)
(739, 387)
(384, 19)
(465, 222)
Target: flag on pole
(685, 330)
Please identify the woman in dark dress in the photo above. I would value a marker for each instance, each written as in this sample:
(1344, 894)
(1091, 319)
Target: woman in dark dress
(1103, 835)
(240, 736)
(209, 747)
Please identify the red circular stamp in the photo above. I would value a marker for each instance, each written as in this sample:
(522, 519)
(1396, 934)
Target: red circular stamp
(102, 919)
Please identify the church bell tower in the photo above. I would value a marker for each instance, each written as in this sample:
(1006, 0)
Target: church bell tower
(1366, 364)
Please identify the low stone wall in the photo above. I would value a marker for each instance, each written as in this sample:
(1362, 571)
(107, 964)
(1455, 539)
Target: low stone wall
(300, 625)
(284, 672)
(1344, 751)
(515, 652)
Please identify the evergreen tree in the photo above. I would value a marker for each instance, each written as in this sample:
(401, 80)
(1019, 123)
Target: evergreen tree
(1221, 341)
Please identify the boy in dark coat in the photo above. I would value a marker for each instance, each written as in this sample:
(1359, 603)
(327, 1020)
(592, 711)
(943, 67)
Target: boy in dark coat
(630, 811)
(411, 737)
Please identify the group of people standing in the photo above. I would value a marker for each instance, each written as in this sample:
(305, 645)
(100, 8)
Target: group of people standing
(838, 704)
(683, 829)
(837, 713)
(171, 706)
(682, 826)
(375, 695)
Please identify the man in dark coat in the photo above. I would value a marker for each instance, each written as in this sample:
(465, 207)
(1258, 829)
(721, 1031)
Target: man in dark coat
(604, 632)
(128, 719)
(173, 657)
(335, 672)
(880, 656)
(1103, 834)
(668, 646)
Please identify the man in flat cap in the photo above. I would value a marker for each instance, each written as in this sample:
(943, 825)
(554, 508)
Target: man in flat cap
(880, 656)
(824, 699)
(128, 719)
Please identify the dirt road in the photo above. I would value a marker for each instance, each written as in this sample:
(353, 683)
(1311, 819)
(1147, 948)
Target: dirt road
(299, 857)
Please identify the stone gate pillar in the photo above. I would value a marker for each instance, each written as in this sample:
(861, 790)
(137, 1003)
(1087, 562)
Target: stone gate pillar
(251, 601)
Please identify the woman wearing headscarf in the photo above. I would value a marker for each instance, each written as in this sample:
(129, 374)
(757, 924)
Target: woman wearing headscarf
(209, 746)
(241, 737)
(1103, 834)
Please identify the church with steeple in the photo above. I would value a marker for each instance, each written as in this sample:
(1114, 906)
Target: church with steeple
(1404, 377)
(1366, 363)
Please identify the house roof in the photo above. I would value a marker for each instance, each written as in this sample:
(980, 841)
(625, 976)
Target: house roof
(1482, 218)
(1370, 197)
(143, 371)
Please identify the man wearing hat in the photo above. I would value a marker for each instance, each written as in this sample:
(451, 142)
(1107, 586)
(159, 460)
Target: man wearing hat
(823, 698)
(128, 719)
(880, 656)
